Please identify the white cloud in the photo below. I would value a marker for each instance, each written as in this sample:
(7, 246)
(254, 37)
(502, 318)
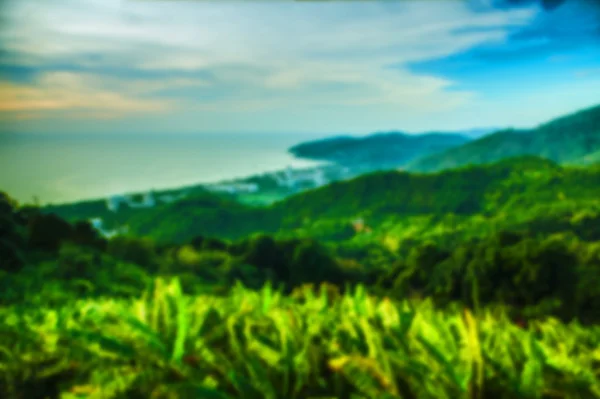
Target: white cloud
(63, 90)
(264, 55)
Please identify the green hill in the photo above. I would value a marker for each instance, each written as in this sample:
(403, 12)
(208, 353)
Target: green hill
(130, 317)
(526, 224)
(183, 220)
(571, 139)
(381, 150)
(517, 189)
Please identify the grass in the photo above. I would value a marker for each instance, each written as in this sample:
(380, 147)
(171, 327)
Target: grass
(262, 344)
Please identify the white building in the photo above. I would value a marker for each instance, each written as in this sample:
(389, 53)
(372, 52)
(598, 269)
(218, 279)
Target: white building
(148, 201)
(235, 188)
(291, 178)
(168, 198)
(97, 224)
(116, 201)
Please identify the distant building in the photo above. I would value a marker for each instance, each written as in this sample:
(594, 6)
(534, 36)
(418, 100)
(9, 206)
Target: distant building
(97, 224)
(168, 198)
(147, 201)
(292, 178)
(319, 178)
(114, 203)
(235, 188)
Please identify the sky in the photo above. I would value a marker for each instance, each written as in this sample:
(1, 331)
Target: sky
(352, 67)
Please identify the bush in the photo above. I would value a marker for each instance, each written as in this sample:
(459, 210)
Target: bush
(85, 234)
(140, 251)
(47, 232)
(75, 262)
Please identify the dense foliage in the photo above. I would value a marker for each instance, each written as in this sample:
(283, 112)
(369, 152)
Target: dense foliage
(509, 193)
(377, 151)
(479, 282)
(573, 139)
(264, 345)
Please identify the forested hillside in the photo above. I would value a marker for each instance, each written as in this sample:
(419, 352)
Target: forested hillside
(378, 151)
(509, 192)
(571, 139)
(186, 304)
(412, 226)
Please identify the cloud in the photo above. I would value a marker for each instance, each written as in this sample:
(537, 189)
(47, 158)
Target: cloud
(545, 52)
(64, 90)
(111, 59)
(270, 50)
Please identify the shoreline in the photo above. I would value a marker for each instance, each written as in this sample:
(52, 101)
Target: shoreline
(177, 190)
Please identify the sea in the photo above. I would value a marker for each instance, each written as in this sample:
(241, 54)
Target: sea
(65, 168)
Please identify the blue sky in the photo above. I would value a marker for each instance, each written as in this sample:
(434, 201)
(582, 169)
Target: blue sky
(109, 66)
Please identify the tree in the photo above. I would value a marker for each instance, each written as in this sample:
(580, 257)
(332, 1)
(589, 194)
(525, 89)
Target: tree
(76, 262)
(140, 251)
(47, 232)
(11, 256)
(263, 252)
(311, 263)
(85, 234)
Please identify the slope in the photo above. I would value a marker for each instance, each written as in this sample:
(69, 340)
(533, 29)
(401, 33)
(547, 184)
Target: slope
(571, 139)
(515, 188)
(379, 150)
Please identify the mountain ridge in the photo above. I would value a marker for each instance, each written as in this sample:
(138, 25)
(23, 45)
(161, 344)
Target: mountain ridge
(570, 139)
(378, 150)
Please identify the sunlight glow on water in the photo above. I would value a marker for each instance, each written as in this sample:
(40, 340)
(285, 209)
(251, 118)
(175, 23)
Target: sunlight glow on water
(68, 168)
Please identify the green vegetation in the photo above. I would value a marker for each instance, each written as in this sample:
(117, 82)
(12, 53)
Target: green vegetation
(455, 204)
(571, 139)
(512, 315)
(378, 151)
(84, 210)
(477, 282)
(264, 345)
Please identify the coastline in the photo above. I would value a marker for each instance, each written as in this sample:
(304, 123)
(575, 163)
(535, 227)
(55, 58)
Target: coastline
(74, 169)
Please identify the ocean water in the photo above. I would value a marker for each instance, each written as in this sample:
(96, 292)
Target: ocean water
(67, 168)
